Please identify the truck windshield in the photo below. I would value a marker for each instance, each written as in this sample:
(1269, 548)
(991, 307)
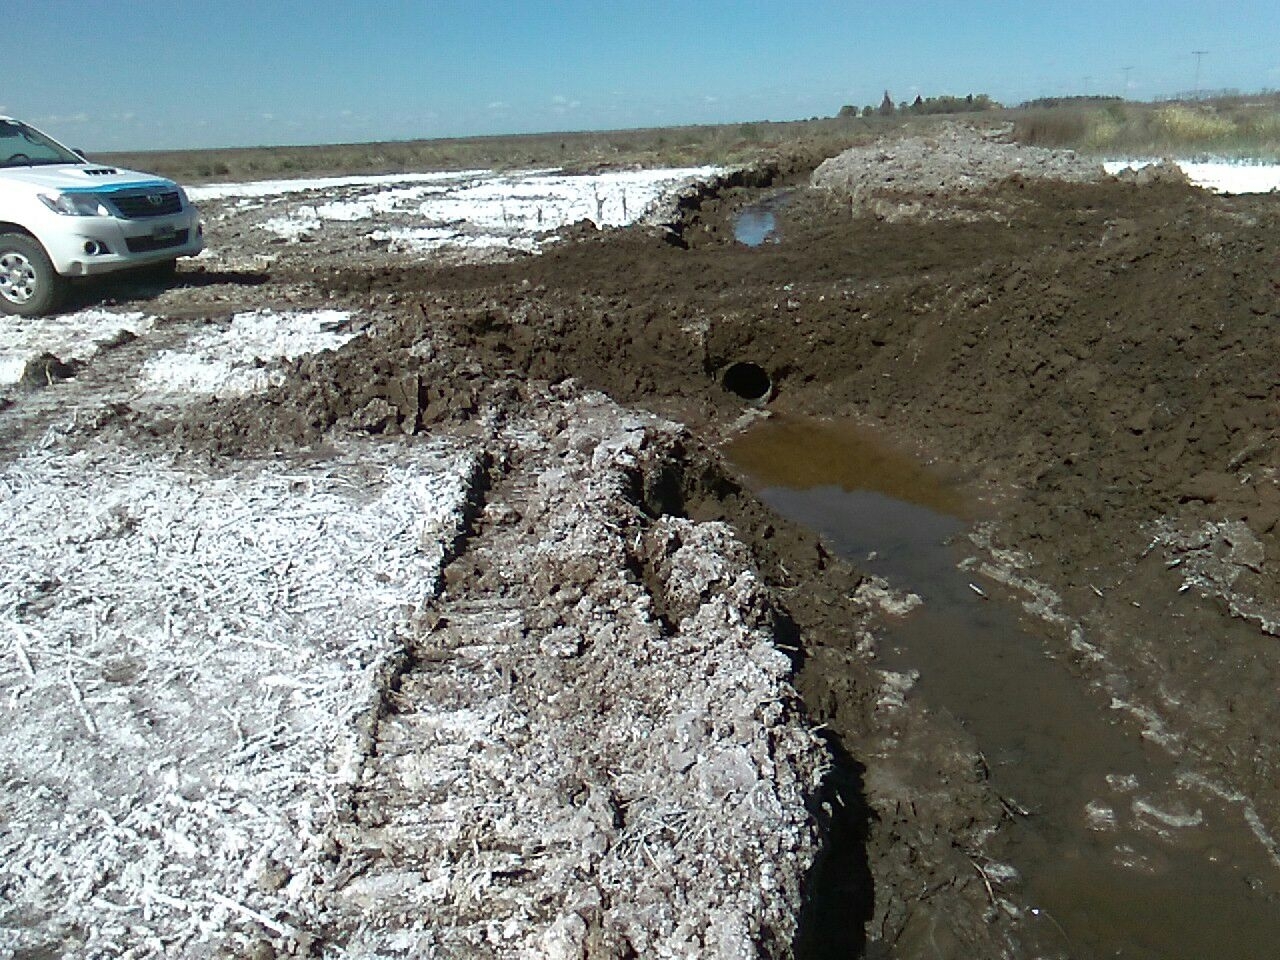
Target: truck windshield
(24, 146)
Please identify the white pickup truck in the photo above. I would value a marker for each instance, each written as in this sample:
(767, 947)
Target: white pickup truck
(62, 217)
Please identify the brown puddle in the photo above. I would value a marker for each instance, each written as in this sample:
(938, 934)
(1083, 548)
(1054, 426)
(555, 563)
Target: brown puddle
(1117, 858)
(802, 454)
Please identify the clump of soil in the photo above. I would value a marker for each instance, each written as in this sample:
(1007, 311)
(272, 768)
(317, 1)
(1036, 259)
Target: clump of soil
(1165, 171)
(46, 370)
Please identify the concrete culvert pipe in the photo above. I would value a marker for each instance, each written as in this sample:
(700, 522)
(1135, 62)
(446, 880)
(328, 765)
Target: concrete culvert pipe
(750, 381)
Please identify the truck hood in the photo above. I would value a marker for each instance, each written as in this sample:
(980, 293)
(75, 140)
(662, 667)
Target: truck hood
(82, 178)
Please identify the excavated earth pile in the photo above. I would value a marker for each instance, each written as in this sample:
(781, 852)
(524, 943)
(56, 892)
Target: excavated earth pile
(935, 176)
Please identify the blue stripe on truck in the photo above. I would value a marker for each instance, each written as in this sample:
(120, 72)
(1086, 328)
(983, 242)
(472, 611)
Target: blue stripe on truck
(116, 188)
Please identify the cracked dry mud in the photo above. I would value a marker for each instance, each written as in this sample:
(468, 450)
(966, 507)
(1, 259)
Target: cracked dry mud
(1094, 359)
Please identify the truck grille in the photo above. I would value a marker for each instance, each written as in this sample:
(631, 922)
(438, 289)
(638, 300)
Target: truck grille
(145, 244)
(140, 206)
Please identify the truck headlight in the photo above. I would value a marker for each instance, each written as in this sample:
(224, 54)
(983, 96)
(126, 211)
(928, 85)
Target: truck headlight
(75, 204)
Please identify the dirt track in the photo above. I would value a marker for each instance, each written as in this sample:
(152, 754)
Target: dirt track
(1095, 360)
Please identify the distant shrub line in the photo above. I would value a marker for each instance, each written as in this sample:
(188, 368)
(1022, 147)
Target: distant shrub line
(573, 151)
(1229, 126)
(923, 106)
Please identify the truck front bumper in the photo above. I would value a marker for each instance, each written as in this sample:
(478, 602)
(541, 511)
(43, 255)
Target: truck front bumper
(99, 245)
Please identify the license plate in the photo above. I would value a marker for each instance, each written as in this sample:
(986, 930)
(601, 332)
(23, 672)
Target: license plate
(166, 232)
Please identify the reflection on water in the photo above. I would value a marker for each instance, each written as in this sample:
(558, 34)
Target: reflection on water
(1122, 859)
(754, 226)
(758, 223)
(802, 454)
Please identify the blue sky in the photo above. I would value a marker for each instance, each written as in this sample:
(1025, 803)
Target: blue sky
(145, 74)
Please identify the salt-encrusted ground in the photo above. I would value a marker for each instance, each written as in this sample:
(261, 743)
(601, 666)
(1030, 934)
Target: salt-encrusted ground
(188, 658)
(1220, 176)
(470, 215)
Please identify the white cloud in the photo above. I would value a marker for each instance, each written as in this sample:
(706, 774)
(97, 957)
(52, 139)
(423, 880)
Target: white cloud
(499, 105)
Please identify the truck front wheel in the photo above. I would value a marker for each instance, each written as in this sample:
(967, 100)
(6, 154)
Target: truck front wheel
(29, 286)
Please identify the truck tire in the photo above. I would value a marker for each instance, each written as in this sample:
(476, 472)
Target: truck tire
(29, 286)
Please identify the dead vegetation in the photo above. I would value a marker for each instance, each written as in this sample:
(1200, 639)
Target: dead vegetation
(1245, 126)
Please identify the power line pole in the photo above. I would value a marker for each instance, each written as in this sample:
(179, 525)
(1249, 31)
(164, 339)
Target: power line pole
(1197, 54)
(1125, 91)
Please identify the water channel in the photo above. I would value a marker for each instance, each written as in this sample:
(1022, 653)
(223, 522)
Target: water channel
(1116, 854)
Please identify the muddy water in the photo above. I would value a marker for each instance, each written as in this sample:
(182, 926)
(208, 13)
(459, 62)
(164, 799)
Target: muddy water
(757, 224)
(1118, 858)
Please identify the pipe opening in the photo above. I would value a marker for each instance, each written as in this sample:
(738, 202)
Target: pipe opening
(750, 381)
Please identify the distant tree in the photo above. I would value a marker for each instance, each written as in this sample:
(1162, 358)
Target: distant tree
(848, 110)
(886, 105)
(949, 104)
(1051, 102)
(868, 111)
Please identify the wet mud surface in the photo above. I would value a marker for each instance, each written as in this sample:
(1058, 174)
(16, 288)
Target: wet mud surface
(1109, 843)
(1090, 366)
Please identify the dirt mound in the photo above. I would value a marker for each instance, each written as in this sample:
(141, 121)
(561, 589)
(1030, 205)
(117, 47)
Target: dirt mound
(652, 771)
(1165, 171)
(928, 176)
